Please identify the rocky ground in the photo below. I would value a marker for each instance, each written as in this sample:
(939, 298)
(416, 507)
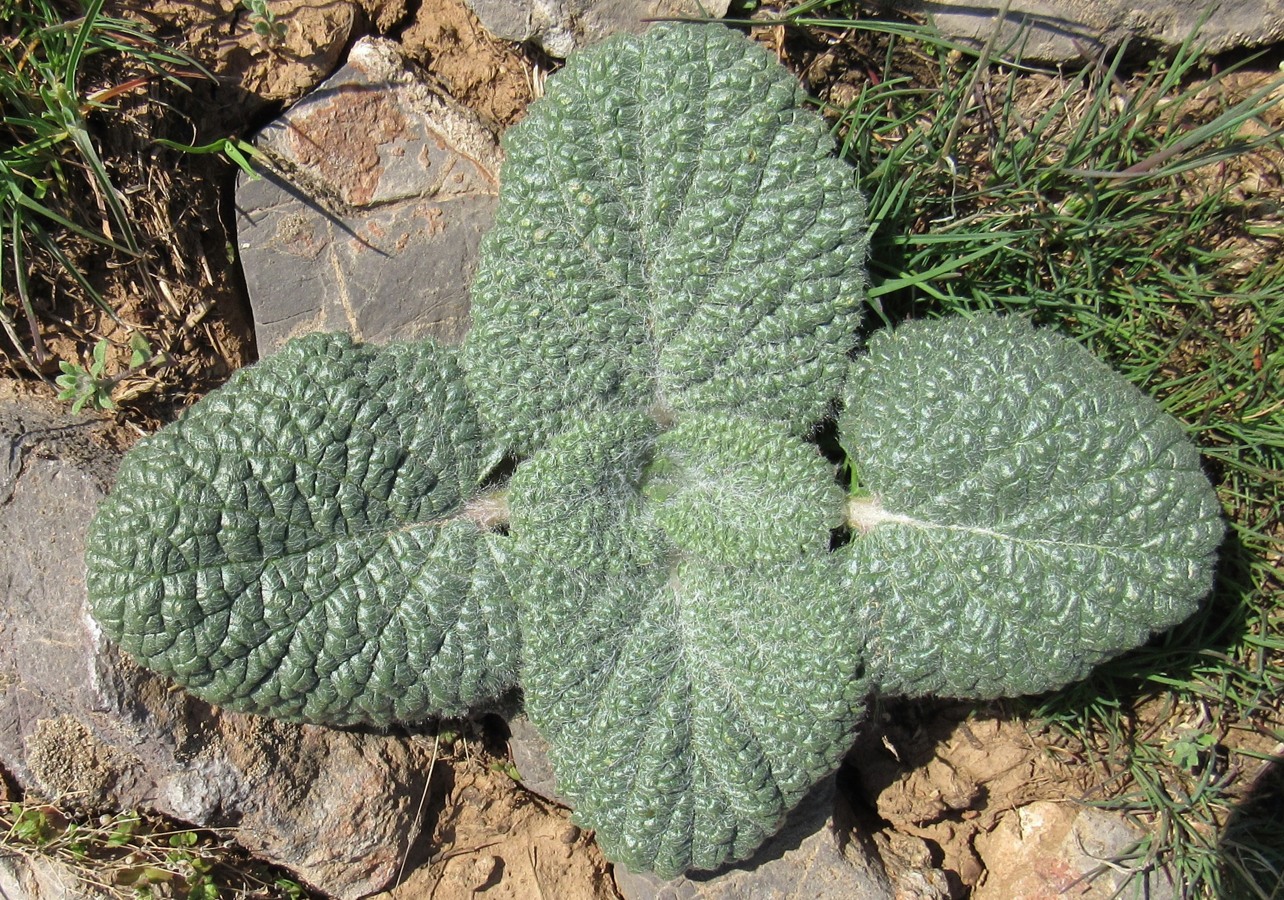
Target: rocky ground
(383, 179)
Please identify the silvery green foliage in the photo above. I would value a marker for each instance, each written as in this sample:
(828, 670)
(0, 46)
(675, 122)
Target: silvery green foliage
(668, 300)
(691, 696)
(1029, 512)
(673, 235)
(301, 543)
(741, 492)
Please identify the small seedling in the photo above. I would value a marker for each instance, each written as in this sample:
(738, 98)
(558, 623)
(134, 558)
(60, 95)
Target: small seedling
(1189, 747)
(264, 23)
(87, 386)
(31, 824)
(90, 386)
(507, 768)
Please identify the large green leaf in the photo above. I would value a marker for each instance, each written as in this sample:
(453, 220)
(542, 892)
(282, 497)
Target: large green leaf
(689, 703)
(1025, 512)
(673, 235)
(305, 542)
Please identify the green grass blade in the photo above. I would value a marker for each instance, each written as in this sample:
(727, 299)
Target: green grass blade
(71, 65)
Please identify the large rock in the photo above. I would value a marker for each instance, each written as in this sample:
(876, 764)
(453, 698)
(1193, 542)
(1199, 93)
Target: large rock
(1057, 30)
(1047, 849)
(369, 214)
(561, 26)
(80, 724)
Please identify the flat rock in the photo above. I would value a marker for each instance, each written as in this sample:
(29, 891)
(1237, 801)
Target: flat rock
(529, 752)
(1060, 30)
(1048, 849)
(561, 26)
(369, 212)
(43, 878)
(80, 724)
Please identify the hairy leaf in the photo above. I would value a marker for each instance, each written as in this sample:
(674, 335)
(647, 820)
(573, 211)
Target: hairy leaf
(302, 543)
(737, 491)
(1029, 512)
(673, 235)
(582, 500)
(689, 704)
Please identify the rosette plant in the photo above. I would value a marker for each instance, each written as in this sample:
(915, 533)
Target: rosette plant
(694, 602)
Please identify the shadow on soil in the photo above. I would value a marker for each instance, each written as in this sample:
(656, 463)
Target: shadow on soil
(1252, 846)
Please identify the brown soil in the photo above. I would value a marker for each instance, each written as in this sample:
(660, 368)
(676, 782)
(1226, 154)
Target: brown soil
(484, 74)
(940, 781)
(489, 837)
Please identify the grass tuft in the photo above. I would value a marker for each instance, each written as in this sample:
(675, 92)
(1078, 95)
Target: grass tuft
(54, 186)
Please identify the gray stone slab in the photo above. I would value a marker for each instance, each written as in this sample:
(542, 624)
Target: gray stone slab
(561, 26)
(529, 752)
(371, 209)
(1060, 30)
(51, 479)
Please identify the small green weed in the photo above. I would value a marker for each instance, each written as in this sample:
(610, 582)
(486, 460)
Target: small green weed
(506, 768)
(80, 385)
(1190, 748)
(83, 386)
(264, 22)
(126, 855)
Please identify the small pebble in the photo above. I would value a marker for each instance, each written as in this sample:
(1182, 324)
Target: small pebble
(484, 869)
